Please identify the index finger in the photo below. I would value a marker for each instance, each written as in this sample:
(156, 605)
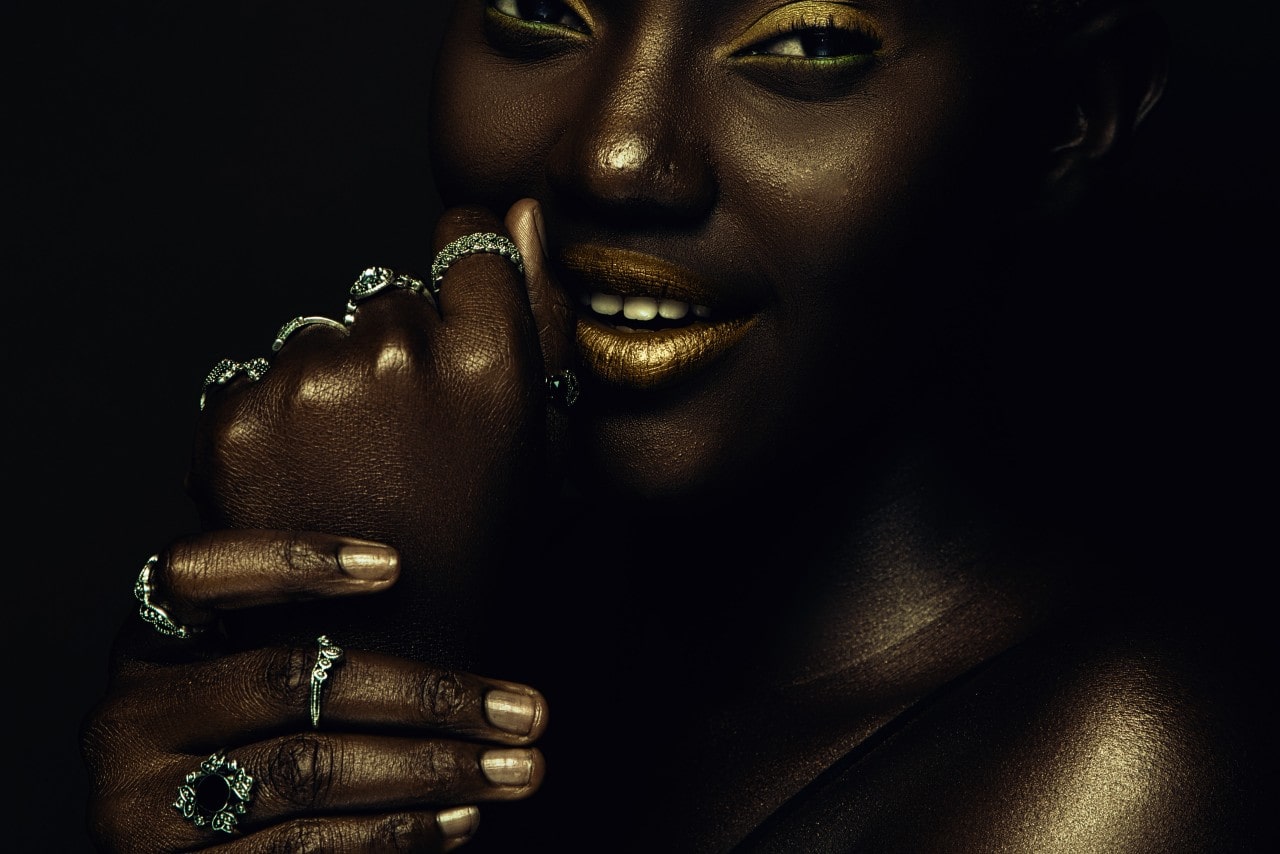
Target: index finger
(235, 570)
(484, 289)
(552, 311)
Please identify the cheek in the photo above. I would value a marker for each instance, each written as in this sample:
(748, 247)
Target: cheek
(848, 194)
(492, 126)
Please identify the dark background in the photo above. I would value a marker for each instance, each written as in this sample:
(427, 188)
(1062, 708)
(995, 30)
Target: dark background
(183, 177)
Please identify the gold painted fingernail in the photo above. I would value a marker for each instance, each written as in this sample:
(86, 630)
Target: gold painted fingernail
(458, 823)
(508, 767)
(368, 562)
(510, 712)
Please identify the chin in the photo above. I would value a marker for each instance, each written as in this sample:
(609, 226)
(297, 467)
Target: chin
(677, 464)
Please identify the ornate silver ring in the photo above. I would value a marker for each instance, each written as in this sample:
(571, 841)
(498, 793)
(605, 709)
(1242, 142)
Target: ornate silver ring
(228, 369)
(300, 322)
(154, 614)
(375, 280)
(215, 794)
(472, 244)
(328, 654)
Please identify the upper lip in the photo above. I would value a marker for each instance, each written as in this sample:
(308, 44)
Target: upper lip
(590, 267)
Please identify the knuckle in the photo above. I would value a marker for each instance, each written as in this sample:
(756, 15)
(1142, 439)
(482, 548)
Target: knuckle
(387, 833)
(303, 836)
(441, 697)
(301, 559)
(303, 770)
(287, 675)
(398, 832)
(397, 357)
(441, 771)
(236, 424)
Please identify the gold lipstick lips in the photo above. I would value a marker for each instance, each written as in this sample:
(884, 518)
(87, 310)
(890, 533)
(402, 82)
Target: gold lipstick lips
(633, 355)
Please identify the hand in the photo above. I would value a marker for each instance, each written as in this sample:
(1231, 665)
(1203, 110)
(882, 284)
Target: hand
(428, 430)
(404, 751)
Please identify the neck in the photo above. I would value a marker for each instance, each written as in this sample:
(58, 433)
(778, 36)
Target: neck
(900, 564)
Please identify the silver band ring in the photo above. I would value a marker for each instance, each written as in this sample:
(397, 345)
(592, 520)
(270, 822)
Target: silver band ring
(328, 654)
(562, 388)
(470, 244)
(228, 369)
(217, 794)
(375, 280)
(154, 614)
(299, 323)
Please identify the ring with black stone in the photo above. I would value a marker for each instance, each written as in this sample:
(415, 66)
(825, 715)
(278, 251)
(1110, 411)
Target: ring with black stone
(562, 388)
(216, 794)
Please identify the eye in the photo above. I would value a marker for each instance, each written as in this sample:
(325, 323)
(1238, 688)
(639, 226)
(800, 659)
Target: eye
(826, 42)
(546, 12)
(809, 36)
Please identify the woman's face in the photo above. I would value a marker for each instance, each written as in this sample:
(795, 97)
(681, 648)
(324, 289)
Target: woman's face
(758, 205)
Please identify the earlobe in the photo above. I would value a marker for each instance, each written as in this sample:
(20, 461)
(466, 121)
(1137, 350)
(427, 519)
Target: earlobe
(1110, 72)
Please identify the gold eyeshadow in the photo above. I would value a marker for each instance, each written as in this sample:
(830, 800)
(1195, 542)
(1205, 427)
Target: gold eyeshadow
(506, 20)
(803, 15)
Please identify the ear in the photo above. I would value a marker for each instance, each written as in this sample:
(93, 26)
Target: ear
(1107, 72)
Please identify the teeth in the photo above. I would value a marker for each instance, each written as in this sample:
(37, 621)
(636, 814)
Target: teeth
(670, 309)
(606, 304)
(641, 308)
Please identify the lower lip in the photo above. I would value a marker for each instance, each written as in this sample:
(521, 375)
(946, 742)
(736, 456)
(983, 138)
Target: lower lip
(652, 360)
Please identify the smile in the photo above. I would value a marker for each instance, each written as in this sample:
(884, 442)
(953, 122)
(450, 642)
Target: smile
(645, 323)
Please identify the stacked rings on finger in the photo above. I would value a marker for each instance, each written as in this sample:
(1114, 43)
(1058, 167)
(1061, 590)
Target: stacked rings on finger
(329, 654)
(471, 244)
(228, 369)
(154, 614)
(215, 794)
(375, 280)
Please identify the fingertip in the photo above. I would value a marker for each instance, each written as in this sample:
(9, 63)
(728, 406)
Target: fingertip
(525, 224)
(366, 561)
(516, 711)
(457, 825)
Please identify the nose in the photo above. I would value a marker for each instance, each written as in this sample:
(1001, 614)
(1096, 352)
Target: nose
(633, 147)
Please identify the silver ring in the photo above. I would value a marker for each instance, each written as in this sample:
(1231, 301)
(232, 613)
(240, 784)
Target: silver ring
(470, 244)
(375, 280)
(328, 654)
(300, 322)
(157, 616)
(216, 794)
(562, 388)
(228, 369)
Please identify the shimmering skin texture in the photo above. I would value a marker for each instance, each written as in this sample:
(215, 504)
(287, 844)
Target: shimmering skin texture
(855, 220)
(795, 600)
(646, 136)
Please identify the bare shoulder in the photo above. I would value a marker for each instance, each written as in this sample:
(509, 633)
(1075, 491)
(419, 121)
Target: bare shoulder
(1125, 736)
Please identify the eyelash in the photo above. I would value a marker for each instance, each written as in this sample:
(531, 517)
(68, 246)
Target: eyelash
(576, 24)
(864, 43)
(858, 41)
